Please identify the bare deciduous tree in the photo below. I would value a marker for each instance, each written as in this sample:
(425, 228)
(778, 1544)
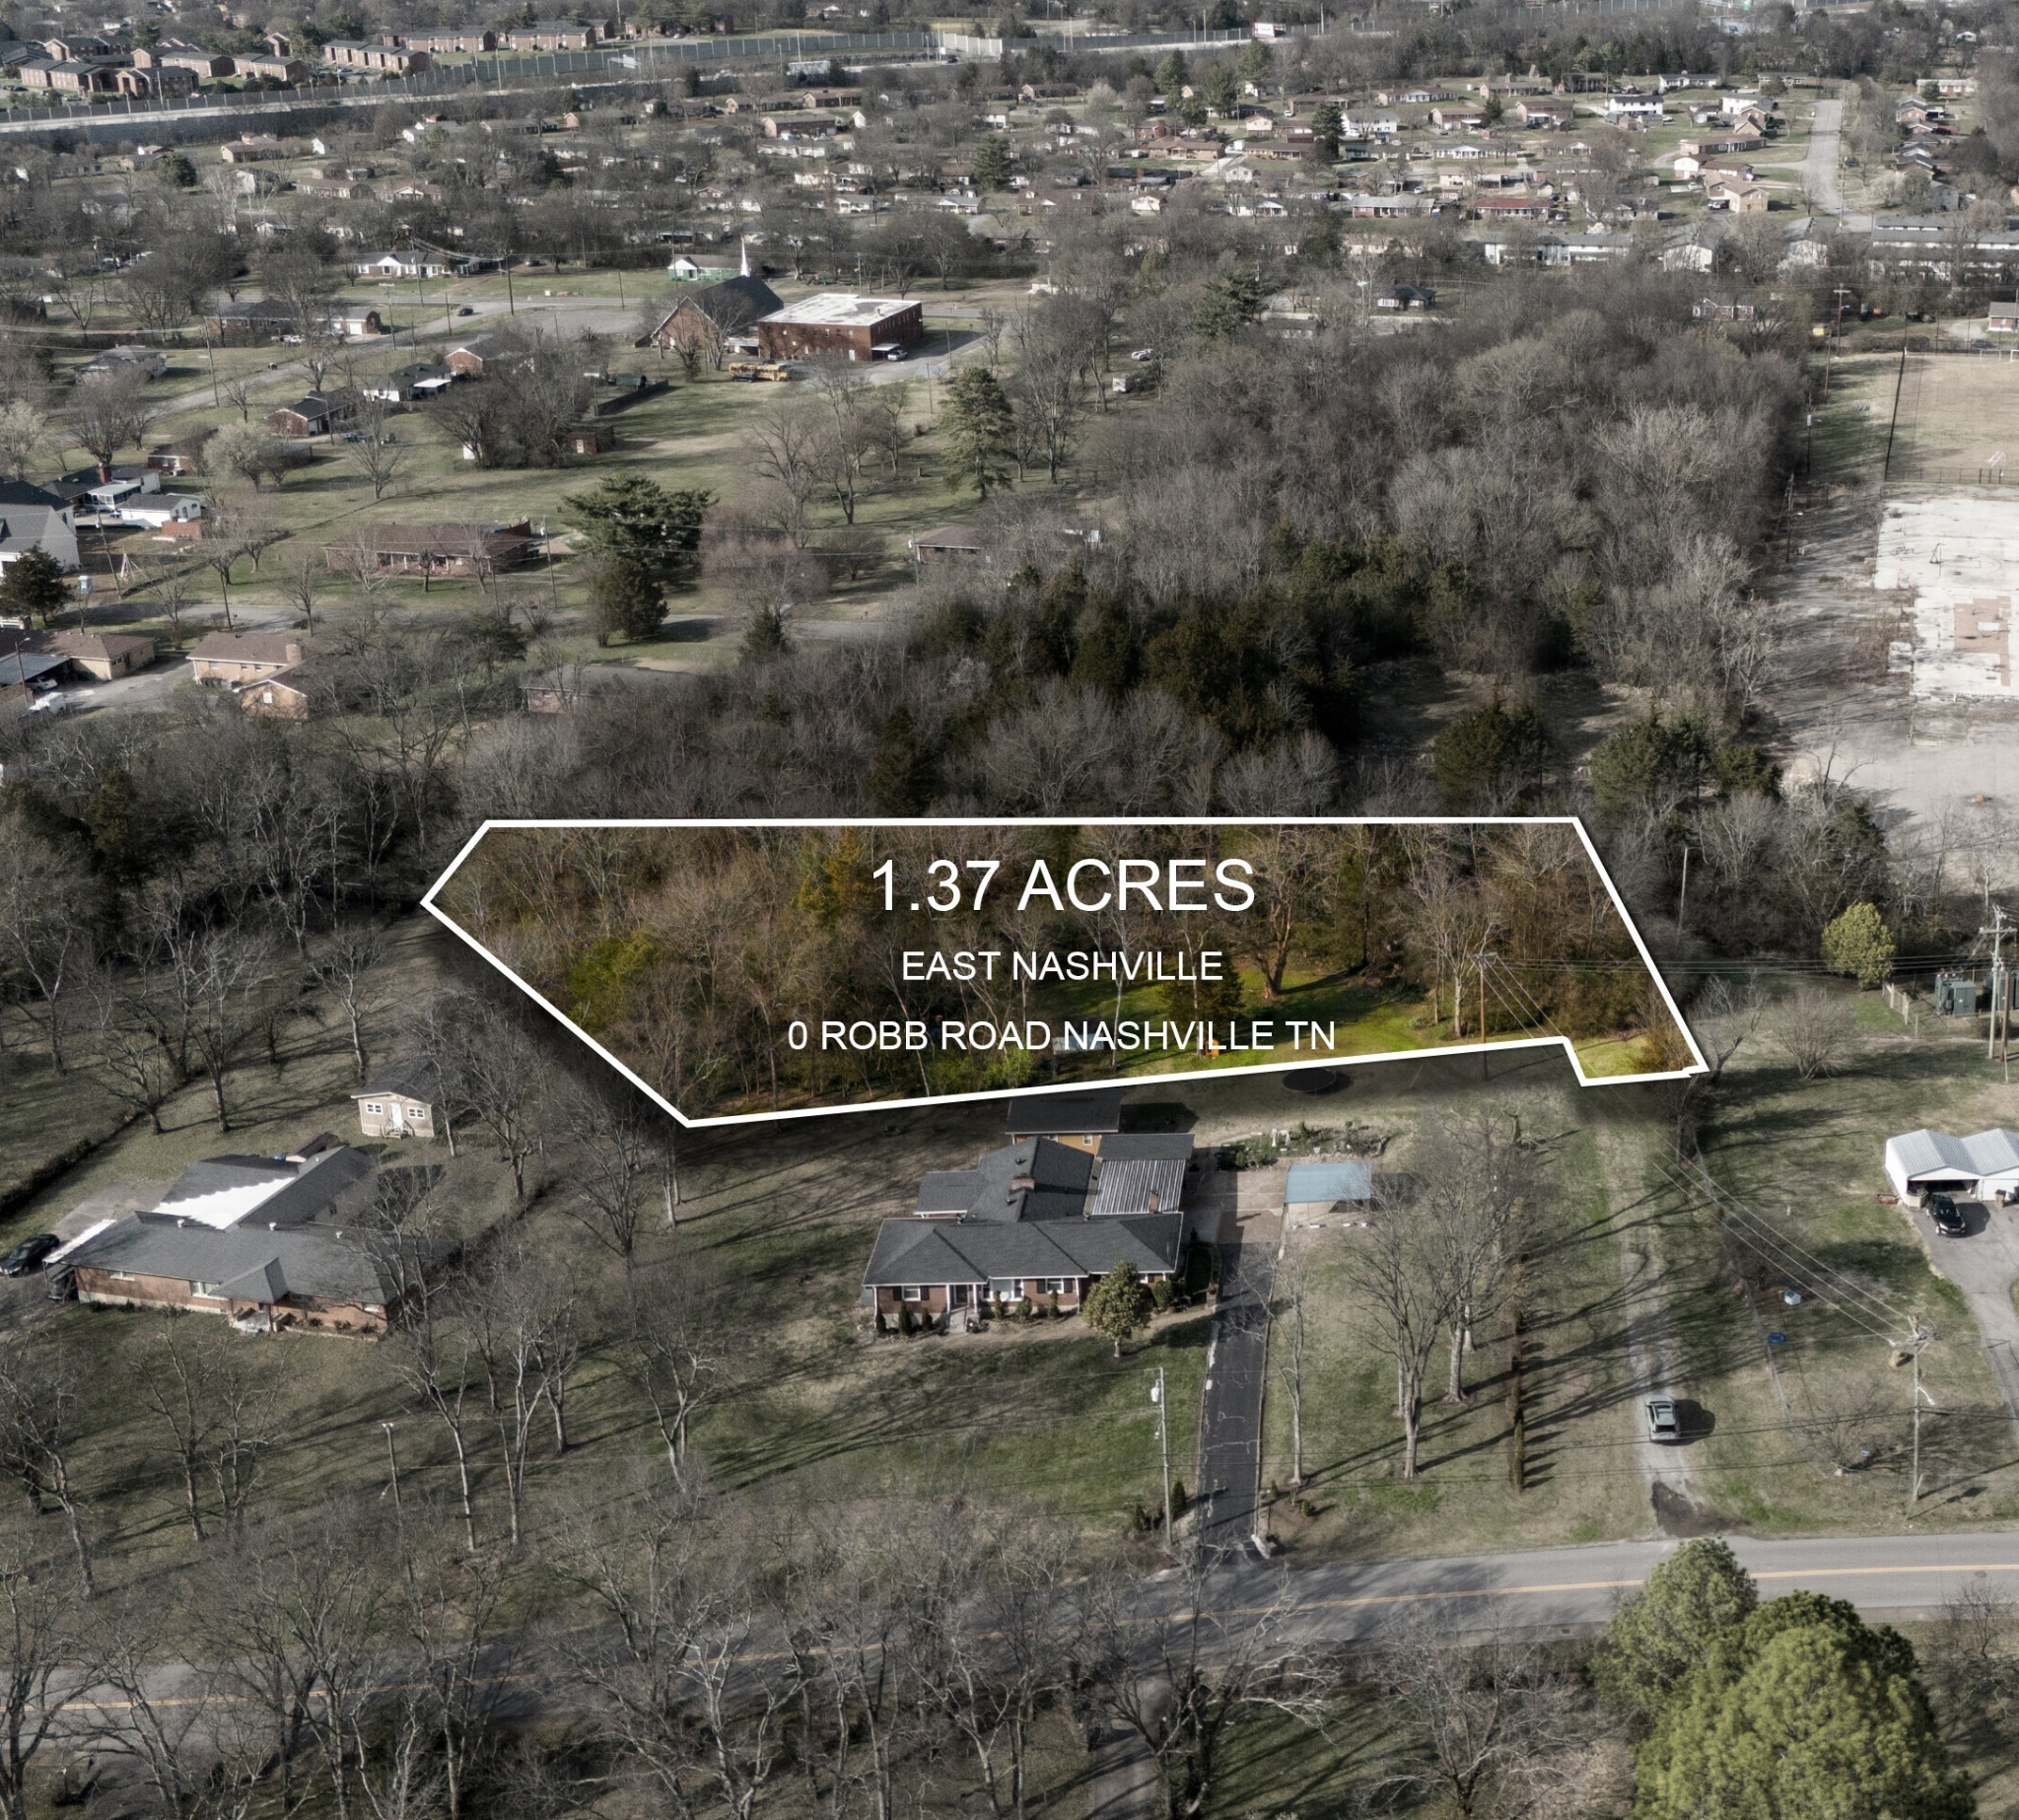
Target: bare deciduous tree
(1814, 1028)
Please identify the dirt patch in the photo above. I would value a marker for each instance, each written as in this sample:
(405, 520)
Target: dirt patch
(1677, 1514)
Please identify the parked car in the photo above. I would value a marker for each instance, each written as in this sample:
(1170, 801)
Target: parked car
(465, 311)
(1665, 1419)
(51, 703)
(1947, 1215)
(29, 1254)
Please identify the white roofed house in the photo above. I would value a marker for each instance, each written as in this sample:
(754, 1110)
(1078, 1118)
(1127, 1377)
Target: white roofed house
(1984, 1166)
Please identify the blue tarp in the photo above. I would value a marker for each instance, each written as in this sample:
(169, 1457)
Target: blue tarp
(1326, 1182)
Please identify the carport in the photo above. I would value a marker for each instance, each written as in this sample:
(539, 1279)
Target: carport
(1982, 1167)
(1328, 1184)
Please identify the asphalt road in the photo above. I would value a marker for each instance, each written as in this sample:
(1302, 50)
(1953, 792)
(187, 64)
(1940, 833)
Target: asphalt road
(1570, 1590)
(1819, 172)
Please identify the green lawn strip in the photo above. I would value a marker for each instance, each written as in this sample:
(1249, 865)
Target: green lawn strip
(1582, 1482)
(1276, 1764)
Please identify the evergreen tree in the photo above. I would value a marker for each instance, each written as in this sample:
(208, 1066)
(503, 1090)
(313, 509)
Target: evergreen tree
(990, 164)
(1661, 1633)
(1106, 658)
(32, 586)
(1326, 130)
(1800, 1709)
(1228, 305)
(1482, 757)
(901, 773)
(628, 599)
(636, 521)
(1860, 943)
(978, 429)
(1646, 768)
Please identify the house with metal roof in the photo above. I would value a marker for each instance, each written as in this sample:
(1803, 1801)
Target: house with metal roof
(1984, 1166)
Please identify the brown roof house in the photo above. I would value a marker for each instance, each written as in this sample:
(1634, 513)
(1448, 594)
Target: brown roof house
(101, 655)
(270, 1242)
(1035, 1221)
(435, 550)
(239, 657)
(317, 413)
(287, 695)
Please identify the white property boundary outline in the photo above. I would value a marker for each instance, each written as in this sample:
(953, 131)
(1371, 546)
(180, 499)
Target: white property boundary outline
(1697, 1065)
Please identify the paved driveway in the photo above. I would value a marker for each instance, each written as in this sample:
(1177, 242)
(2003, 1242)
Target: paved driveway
(1237, 1364)
(1983, 1266)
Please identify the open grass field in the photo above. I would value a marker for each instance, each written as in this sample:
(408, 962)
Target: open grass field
(1958, 416)
(1768, 1435)
(1581, 1481)
(1807, 1157)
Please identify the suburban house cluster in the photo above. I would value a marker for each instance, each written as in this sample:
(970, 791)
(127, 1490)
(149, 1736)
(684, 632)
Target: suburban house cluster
(1039, 1218)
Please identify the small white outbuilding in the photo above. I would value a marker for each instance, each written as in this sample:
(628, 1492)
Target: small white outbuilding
(1984, 1166)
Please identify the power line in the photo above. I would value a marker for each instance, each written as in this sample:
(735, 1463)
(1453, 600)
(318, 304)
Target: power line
(1820, 1278)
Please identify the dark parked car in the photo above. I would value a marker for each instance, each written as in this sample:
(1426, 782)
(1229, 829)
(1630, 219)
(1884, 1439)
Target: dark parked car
(29, 1254)
(1948, 1218)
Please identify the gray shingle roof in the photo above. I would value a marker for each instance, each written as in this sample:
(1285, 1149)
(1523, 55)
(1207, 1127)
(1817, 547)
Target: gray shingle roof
(931, 1251)
(311, 1261)
(1037, 1178)
(417, 1077)
(1066, 1114)
(949, 1191)
(1146, 1147)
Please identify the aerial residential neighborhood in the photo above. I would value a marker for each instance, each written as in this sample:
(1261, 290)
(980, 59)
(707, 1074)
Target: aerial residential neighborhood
(1074, 911)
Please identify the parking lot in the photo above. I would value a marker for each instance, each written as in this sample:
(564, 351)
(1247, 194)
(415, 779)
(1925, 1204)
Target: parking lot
(1983, 1264)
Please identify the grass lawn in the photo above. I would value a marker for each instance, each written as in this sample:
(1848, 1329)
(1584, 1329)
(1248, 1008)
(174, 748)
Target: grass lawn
(1582, 1484)
(1807, 1157)
(49, 1115)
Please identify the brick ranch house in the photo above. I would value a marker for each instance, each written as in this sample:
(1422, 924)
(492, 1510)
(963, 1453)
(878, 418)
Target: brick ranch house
(239, 657)
(1036, 1218)
(266, 1239)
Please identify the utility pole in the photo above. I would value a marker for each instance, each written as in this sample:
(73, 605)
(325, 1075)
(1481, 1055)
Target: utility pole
(392, 1458)
(1921, 1338)
(1163, 1436)
(1484, 958)
(1996, 931)
(1683, 896)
